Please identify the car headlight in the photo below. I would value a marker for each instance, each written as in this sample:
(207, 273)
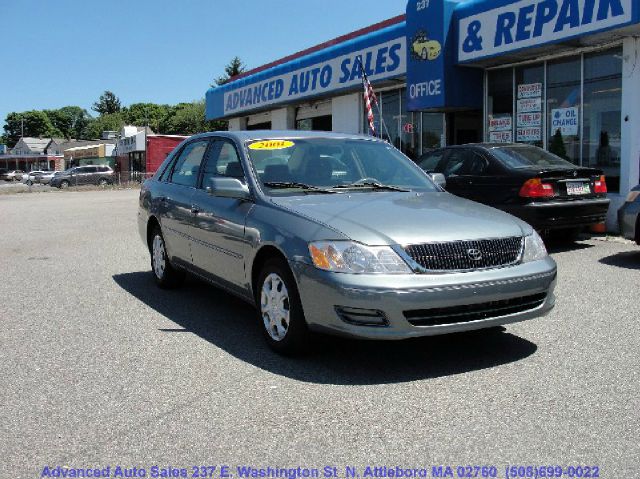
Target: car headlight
(350, 257)
(534, 248)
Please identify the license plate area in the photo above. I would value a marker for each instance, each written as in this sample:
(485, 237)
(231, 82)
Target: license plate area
(576, 188)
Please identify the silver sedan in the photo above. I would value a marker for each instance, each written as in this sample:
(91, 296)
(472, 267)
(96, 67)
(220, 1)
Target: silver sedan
(629, 216)
(338, 234)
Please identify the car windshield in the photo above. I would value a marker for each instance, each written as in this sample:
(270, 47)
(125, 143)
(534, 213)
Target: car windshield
(320, 165)
(529, 157)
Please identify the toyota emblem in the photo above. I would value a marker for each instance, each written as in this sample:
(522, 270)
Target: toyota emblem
(474, 254)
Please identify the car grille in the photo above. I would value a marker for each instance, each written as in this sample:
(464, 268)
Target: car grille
(466, 255)
(473, 312)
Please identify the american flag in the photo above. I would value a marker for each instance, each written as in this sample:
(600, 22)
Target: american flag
(369, 96)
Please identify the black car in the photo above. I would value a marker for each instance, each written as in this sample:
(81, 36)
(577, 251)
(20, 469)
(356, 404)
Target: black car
(539, 187)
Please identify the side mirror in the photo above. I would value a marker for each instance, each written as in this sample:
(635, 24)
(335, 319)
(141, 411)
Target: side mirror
(439, 179)
(228, 188)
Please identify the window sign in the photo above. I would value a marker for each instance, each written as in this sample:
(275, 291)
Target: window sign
(500, 137)
(565, 120)
(500, 123)
(529, 119)
(533, 133)
(526, 105)
(530, 90)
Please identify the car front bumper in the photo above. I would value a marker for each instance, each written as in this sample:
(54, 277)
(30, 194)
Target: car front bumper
(562, 214)
(329, 299)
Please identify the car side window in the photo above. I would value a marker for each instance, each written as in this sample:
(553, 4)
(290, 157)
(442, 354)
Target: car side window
(186, 168)
(430, 161)
(90, 169)
(222, 161)
(455, 162)
(476, 165)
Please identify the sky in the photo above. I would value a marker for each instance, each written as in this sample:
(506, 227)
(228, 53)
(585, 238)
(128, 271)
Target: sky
(68, 52)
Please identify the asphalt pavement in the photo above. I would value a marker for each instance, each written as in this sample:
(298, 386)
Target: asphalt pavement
(100, 368)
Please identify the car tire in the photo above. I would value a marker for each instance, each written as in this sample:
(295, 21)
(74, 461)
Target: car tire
(103, 182)
(29, 182)
(64, 185)
(166, 276)
(280, 310)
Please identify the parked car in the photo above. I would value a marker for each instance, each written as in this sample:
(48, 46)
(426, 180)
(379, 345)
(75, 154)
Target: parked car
(46, 177)
(83, 175)
(629, 216)
(32, 176)
(11, 175)
(539, 187)
(375, 251)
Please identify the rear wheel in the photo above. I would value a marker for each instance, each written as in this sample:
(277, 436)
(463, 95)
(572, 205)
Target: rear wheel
(280, 309)
(165, 274)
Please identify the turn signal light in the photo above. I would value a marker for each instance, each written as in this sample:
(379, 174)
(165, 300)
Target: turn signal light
(535, 188)
(600, 186)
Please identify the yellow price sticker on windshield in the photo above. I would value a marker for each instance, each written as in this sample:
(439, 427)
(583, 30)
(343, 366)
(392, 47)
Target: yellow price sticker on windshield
(271, 145)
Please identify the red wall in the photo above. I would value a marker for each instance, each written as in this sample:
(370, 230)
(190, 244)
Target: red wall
(158, 147)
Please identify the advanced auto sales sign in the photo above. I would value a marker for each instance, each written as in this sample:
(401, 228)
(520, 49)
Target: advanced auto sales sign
(381, 61)
(528, 23)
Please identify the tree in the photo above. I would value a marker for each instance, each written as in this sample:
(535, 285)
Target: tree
(151, 114)
(234, 68)
(557, 145)
(36, 124)
(107, 104)
(72, 121)
(106, 122)
(189, 119)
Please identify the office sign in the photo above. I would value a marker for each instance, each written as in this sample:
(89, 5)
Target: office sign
(484, 31)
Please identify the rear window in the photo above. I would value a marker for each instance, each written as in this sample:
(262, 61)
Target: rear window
(529, 157)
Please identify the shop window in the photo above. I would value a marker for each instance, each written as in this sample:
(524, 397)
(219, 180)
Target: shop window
(602, 113)
(390, 105)
(563, 108)
(431, 129)
(316, 123)
(529, 90)
(500, 106)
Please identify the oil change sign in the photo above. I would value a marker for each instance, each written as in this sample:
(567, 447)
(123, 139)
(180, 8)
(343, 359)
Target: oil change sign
(565, 120)
(528, 23)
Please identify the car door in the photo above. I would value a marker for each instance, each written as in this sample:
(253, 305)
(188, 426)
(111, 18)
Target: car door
(89, 177)
(219, 246)
(173, 200)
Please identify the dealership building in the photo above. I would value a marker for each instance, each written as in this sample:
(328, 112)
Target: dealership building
(449, 72)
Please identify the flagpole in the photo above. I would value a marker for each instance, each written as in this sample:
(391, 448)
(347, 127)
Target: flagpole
(364, 76)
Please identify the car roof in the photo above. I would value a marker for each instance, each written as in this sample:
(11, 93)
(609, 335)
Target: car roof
(248, 135)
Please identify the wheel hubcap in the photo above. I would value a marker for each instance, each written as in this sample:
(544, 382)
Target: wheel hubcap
(275, 307)
(159, 261)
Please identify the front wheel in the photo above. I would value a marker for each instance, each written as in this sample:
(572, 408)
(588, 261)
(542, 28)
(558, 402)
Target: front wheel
(64, 184)
(280, 309)
(103, 182)
(165, 274)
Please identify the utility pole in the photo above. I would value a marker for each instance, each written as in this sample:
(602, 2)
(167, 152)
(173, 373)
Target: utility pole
(22, 127)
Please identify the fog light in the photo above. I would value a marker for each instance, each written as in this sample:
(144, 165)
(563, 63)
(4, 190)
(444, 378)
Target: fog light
(362, 317)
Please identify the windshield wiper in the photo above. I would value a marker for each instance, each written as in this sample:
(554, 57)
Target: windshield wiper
(372, 184)
(295, 184)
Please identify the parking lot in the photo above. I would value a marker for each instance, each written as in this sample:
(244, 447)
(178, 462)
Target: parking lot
(100, 367)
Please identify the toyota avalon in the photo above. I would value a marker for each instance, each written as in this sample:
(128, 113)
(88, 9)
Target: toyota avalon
(342, 234)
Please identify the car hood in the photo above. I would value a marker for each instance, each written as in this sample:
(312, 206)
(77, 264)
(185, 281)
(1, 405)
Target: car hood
(385, 218)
